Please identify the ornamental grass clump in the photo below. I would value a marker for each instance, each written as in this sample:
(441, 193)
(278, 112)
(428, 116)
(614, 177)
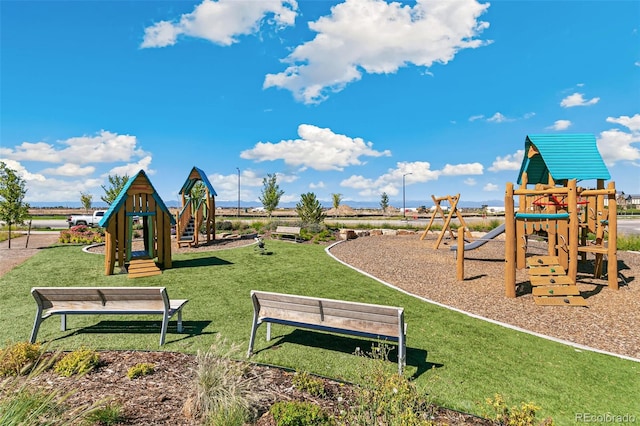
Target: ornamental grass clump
(224, 392)
(21, 404)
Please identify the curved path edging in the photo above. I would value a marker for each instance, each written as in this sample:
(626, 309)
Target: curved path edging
(480, 317)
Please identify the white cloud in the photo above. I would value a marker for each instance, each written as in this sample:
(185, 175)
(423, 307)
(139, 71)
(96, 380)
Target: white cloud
(476, 117)
(617, 145)
(21, 171)
(317, 148)
(498, 118)
(577, 99)
(318, 185)
(490, 187)
(222, 21)
(560, 125)
(470, 182)
(508, 162)
(105, 147)
(132, 168)
(391, 182)
(75, 158)
(226, 186)
(70, 170)
(42, 188)
(529, 115)
(632, 123)
(376, 37)
(637, 63)
(414, 172)
(290, 198)
(462, 169)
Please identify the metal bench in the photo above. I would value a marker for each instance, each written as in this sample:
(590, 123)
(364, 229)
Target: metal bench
(334, 316)
(65, 301)
(292, 231)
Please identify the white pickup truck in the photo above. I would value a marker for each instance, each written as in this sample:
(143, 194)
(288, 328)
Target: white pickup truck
(86, 219)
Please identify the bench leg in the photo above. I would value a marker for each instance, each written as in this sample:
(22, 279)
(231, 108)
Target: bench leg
(63, 322)
(402, 354)
(179, 327)
(252, 339)
(268, 331)
(165, 323)
(36, 326)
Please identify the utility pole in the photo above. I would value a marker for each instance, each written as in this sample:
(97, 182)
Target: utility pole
(404, 210)
(238, 169)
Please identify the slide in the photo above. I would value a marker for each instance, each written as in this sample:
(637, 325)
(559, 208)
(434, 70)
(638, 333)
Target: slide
(481, 241)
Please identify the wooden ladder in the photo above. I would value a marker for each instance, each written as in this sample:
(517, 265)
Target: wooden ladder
(550, 283)
(143, 268)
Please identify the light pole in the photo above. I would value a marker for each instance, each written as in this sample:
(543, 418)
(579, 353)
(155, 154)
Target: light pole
(238, 169)
(404, 210)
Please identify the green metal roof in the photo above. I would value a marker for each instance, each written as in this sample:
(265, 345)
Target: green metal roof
(122, 197)
(564, 157)
(189, 183)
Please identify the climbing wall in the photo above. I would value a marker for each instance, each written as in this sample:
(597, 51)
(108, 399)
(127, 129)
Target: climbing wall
(550, 283)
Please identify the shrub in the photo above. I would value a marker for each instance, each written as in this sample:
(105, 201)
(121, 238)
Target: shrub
(524, 415)
(307, 383)
(19, 358)
(80, 361)
(141, 369)
(628, 242)
(299, 413)
(110, 414)
(81, 234)
(224, 225)
(21, 405)
(386, 398)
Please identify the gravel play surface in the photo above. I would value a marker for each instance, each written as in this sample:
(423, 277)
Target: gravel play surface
(610, 323)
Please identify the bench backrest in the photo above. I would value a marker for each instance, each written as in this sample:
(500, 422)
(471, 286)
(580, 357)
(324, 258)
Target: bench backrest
(288, 229)
(102, 298)
(361, 317)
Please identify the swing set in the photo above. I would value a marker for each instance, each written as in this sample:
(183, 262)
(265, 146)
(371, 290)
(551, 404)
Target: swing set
(446, 227)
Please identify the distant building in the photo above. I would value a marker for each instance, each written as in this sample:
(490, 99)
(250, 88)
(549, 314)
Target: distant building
(627, 201)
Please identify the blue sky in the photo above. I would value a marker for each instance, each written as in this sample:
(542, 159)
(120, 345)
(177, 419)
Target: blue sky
(335, 97)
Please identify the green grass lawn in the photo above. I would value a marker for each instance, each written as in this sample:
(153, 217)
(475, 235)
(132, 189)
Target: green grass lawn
(459, 361)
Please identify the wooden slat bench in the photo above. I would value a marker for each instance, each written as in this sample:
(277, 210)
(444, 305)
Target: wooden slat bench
(334, 316)
(291, 231)
(65, 301)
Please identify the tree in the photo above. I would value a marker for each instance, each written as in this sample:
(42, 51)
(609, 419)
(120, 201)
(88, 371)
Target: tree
(116, 183)
(13, 209)
(309, 208)
(336, 198)
(86, 200)
(198, 191)
(384, 202)
(271, 193)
